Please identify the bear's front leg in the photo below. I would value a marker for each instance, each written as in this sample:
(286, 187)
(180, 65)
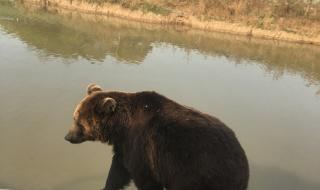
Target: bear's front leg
(153, 186)
(118, 175)
(146, 183)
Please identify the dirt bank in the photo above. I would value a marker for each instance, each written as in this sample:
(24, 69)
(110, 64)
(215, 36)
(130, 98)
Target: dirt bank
(178, 18)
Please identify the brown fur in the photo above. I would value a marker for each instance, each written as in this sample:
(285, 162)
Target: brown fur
(161, 144)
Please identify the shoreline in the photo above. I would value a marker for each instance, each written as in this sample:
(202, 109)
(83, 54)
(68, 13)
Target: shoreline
(114, 10)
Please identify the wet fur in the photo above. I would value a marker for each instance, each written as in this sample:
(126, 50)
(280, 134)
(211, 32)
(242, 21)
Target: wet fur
(161, 144)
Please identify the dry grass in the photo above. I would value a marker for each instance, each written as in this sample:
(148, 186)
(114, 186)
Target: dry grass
(293, 16)
(228, 9)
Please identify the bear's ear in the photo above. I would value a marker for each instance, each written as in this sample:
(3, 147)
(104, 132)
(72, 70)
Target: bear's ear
(107, 105)
(93, 88)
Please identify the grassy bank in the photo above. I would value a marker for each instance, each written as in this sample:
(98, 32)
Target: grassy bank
(294, 16)
(229, 9)
(286, 20)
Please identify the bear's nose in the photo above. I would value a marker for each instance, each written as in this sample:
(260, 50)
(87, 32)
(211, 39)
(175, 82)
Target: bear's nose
(74, 138)
(68, 137)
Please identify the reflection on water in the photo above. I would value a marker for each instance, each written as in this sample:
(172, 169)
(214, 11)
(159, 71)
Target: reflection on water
(71, 35)
(265, 91)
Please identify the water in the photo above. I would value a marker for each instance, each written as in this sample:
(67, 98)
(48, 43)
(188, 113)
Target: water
(267, 92)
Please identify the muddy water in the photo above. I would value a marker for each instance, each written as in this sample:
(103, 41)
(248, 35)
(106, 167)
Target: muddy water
(267, 92)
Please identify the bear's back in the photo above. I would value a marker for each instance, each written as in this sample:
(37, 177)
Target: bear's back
(184, 146)
(199, 145)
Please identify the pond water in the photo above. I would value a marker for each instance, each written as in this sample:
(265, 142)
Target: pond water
(267, 92)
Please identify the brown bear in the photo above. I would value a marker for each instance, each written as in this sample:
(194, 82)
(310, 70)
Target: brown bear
(159, 143)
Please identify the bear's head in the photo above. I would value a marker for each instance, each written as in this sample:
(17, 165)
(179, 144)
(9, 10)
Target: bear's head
(95, 117)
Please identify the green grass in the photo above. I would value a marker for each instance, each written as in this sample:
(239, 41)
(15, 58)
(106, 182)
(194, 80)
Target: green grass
(148, 7)
(142, 5)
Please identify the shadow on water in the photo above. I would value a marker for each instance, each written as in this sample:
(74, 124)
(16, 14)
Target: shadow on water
(262, 178)
(5, 186)
(266, 178)
(72, 35)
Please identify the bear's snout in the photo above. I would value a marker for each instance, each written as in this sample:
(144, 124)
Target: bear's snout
(74, 138)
